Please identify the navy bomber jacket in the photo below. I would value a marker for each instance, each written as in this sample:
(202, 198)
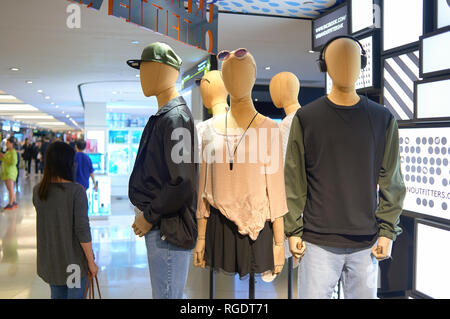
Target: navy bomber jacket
(161, 186)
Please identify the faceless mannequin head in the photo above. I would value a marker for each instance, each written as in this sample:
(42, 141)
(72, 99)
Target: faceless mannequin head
(213, 89)
(157, 77)
(343, 59)
(239, 75)
(284, 89)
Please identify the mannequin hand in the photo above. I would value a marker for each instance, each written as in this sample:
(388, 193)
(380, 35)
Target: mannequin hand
(382, 250)
(199, 254)
(297, 247)
(278, 259)
(141, 226)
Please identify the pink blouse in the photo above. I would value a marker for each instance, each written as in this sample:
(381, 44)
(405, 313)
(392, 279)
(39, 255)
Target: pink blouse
(253, 192)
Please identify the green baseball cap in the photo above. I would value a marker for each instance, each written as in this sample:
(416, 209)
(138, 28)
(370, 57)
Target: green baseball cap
(157, 52)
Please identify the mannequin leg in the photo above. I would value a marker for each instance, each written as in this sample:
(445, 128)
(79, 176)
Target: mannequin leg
(319, 271)
(360, 275)
(168, 265)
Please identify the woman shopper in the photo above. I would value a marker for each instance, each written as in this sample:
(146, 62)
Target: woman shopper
(27, 155)
(8, 171)
(64, 248)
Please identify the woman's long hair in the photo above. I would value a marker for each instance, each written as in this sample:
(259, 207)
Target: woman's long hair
(59, 162)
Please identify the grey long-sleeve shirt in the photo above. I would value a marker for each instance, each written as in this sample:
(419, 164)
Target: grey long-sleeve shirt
(62, 224)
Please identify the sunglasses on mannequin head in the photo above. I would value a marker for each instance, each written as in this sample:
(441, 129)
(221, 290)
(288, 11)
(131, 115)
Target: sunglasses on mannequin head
(225, 54)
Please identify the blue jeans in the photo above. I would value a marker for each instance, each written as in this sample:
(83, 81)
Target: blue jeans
(169, 266)
(64, 292)
(321, 268)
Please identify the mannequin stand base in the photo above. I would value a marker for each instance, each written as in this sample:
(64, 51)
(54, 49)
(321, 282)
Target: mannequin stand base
(251, 286)
(211, 284)
(290, 277)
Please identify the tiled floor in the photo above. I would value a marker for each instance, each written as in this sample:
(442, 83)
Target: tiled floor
(121, 256)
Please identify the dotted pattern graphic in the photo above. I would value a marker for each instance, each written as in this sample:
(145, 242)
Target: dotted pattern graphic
(299, 9)
(425, 161)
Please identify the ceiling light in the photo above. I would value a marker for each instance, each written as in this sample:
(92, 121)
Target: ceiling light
(38, 117)
(114, 92)
(40, 91)
(51, 123)
(63, 112)
(17, 107)
(256, 100)
(57, 106)
(311, 51)
(29, 82)
(267, 68)
(138, 76)
(47, 97)
(67, 116)
(52, 103)
(7, 97)
(15, 69)
(135, 42)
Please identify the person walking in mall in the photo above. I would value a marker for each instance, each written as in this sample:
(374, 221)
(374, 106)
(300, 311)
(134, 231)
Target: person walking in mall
(64, 245)
(83, 166)
(45, 144)
(8, 171)
(27, 155)
(37, 156)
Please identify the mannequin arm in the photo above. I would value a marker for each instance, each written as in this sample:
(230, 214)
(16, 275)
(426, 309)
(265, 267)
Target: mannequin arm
(392, 188)
(199, 251)
(278, 248)
(383, 249)
(295, 181)
(297, 247)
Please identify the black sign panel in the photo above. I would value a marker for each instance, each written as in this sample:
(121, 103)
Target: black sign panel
(327, 26)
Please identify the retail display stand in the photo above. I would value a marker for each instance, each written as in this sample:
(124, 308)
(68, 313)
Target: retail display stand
(212, 285)
(290, 277)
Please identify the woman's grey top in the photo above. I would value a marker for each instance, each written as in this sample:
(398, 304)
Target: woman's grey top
(62, 224)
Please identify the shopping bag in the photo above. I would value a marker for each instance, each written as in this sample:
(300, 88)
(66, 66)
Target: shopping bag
(90, 288)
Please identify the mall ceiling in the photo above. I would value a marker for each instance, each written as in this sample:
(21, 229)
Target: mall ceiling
(36, 40)
(298, 9)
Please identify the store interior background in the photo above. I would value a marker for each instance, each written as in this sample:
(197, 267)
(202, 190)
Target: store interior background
(81, 86)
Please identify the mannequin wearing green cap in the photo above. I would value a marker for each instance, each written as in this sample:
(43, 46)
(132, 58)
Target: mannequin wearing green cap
(239, 76)
(162, 185)
(158, 79)
(162, 86)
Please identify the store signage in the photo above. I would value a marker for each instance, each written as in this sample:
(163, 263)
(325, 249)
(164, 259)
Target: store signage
(434, 48)
(16, 127)
(431, 98)
(196, 25)
(195, 73)
(95, 4)
(426, 170)
(6, 126)
(402, 23)
(362, 13)
(330, 25)
(432, 262)
(443, 13)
